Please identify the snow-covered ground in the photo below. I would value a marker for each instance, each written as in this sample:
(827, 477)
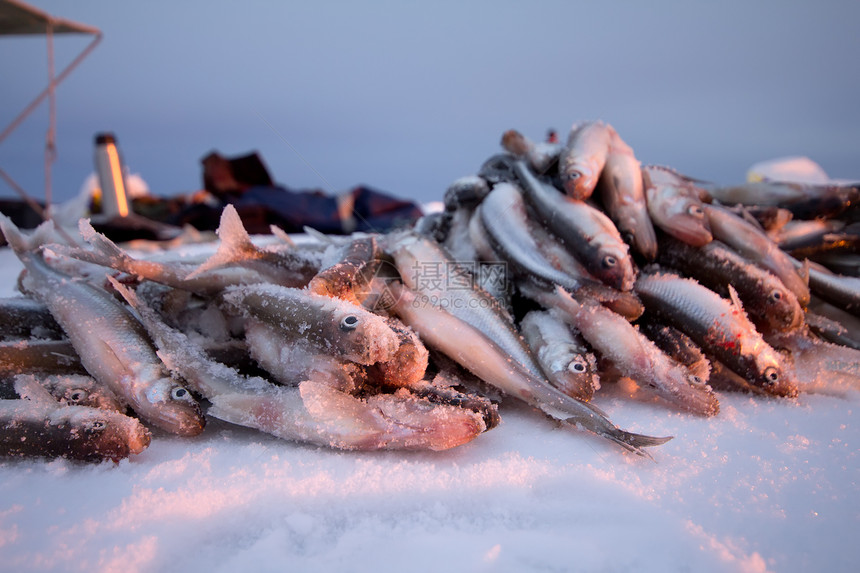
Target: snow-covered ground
(767, 485)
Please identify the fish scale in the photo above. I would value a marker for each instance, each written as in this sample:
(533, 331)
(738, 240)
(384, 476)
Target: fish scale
(719, 326)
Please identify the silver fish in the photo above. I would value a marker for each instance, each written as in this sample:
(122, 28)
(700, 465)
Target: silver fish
(622, 191)
(78, 390)
(311, 411)
(38, 426)
(471, 348)
(22, 317)
(237, 261)
(804, 200)
(583, 157)
(635, 356)
(348, 277)
(112, 345)
(839, 290)
(769, 303)
(589, 234)
(675, 205)
(562, 354)
(755, 245)
(342, 328)
(720, 327)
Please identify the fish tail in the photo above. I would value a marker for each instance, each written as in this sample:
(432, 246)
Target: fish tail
(22, 244)
(635, 442)
(235, 243)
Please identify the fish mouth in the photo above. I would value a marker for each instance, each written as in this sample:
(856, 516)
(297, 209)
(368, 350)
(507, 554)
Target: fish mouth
(184, 421)
(691, 232)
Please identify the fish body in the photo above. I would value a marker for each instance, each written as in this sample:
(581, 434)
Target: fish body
(348, 277)
(622, 191)
(481, 355)
(675, 205)
(632, 353)
(38, 426)
(79, 390)
(769, 303)
(583, 157)
(342, 328)
(112, 345)
(839, 290)
(720, 327)
(804, 200)
(22, 317)
(751, 242)
(589, 234)
(562, 354)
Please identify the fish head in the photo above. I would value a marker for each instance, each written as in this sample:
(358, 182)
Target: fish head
(783, 310)
(100, 434)
(358, 335)
(774, 375)
(170, 406)
(92, 397)
(614, 268)
(685, 219)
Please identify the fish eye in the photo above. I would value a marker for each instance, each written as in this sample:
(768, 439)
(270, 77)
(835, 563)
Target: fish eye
(609, 262)
(349, 323)
(98, 425)
(577, 366)
(77, 395)
(775, 296)
(179, 393)
(771, 375)
(696, 211)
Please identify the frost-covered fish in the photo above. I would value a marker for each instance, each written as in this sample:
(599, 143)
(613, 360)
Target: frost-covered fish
(804, 200)
(633, 354)
(48, 356)
(342, 328)
(112, 345)
(720, 327)
(22, 317)
(36, 425)
(562, 354)
(583, 157)
(426, 268)
(622, 191)
(679, 347)
(769, 303)
(237, 261)
(822, 367)
(313, 410)
(675, 205)
(589, 234)
(839, 290)
(751, 242)
(348, 277)
(468, 346)
(78, 390)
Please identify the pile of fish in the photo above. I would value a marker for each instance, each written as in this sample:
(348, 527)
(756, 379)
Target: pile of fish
(555, 270)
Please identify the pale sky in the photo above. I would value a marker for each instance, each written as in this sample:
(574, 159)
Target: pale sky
(407, 96)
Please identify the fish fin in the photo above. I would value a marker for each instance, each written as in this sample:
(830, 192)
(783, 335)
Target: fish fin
(104, 246)
(736, 301)
(803, 271)
(129, 295)
(318, 235)
(282, 235)
(235, 243)
(29, 388)
(22, 243)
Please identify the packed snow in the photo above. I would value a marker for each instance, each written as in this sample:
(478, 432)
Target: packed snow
(767, 485)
